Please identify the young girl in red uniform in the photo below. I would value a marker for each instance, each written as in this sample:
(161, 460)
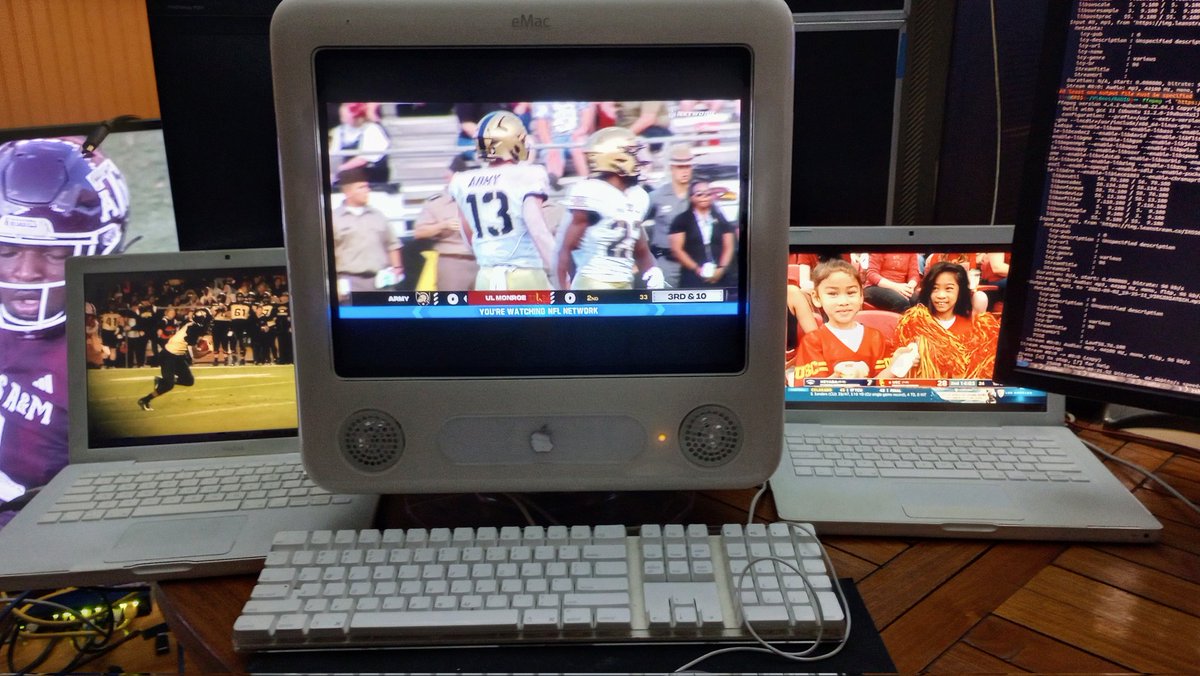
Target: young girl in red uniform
(843, 347)
(952, 341)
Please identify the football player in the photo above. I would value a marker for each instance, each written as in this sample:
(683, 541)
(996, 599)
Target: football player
(222, 331)
(54, 203)
(241, 314)
(176, 358)
(500, 207)
(604, 239)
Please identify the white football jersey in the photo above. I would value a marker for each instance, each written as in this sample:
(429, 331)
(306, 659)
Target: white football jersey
(491, 199)
(605, 251)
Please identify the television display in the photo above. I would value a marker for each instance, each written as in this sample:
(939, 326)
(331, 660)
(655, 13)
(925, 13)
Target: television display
(57, 202)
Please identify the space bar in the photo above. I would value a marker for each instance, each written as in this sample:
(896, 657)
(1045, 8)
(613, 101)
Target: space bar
(188, 508)
(892, 473)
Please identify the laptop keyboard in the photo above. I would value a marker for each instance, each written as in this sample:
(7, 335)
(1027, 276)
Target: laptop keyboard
(136, 492)
(932, 457)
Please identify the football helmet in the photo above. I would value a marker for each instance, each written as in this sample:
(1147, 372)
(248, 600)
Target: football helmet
(501, 136)
(202, 317)
(615, 150)
(53, 196)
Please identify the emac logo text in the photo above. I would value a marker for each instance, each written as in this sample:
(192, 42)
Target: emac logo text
(531, 21)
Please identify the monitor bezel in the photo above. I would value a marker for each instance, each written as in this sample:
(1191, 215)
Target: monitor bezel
(302, 26)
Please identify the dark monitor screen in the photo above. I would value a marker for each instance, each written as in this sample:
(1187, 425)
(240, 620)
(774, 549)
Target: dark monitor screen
(213, 71)
(845, 124)
(1109, 310)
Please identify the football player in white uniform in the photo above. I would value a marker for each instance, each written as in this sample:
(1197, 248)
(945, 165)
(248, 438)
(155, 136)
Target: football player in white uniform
(501, 208)
(603, 236)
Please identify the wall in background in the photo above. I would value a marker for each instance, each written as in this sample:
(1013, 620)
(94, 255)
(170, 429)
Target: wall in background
(69, 61)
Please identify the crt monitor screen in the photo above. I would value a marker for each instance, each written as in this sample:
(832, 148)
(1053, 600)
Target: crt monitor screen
(1110, 215)
(565, 220)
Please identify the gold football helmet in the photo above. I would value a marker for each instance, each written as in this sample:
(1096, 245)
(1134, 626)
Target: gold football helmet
(615, 150)
(501, 136)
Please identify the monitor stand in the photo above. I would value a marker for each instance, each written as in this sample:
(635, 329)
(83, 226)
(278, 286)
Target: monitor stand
(545, 509)
(1175, 429)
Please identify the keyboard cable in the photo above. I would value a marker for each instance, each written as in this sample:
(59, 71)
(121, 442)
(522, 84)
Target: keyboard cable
(764, 647)
(1144, 472)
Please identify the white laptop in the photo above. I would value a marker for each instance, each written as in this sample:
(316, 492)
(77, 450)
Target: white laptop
(901, 455)
(215, 459)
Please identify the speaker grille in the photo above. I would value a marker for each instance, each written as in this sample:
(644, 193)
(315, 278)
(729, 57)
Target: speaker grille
(371, 441)
(710, 436)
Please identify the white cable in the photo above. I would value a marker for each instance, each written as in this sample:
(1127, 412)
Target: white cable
(764, 647)
(999, 126)
(1143, 471)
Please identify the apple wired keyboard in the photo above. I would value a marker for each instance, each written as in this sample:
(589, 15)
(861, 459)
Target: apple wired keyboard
(349, 589)
(933, 456)
(133, 492)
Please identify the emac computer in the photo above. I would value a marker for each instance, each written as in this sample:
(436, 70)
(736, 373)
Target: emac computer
(545, 374)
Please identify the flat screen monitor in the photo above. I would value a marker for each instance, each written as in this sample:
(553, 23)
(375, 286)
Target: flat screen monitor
(212, 67)
(57, 202)
(1109, 223)
(573, 358)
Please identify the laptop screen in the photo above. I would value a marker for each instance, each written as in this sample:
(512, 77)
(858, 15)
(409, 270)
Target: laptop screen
(897, 328)
(188, 356)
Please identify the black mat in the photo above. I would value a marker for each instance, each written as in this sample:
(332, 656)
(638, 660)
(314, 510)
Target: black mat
(864, 653)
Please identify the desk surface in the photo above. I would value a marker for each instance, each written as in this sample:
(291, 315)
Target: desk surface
(940, 605)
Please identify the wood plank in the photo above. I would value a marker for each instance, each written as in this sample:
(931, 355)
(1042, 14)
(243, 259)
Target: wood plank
(1184, 468)
(927, 630)
(1149, 458)
(964, 659)
(202, 613)
(1173, 555)
(876, 550)
(12, 104)
(71, 57)
(1134, 632)
(1165, 506)
(1146, 582)
(1016, 645)
(903, 582)
(846, 564)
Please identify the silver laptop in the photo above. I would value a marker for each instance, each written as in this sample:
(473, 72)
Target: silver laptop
(929, 451)
(197, 480)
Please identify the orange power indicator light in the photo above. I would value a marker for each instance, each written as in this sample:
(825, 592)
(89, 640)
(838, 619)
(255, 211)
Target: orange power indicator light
(661, 437)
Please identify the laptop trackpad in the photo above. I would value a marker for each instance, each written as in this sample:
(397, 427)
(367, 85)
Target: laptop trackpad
(178, 538)
(956, 502)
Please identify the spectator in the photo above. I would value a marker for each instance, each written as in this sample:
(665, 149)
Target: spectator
(666, 203)
(438, 221)
(360, 143)
(952, 341)
(366, 253)
(892, 280)
(701, 240)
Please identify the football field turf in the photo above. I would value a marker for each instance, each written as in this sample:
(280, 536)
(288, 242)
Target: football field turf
(223, 399)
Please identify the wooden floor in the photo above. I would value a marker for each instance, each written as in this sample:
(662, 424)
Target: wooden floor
(944, 605)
